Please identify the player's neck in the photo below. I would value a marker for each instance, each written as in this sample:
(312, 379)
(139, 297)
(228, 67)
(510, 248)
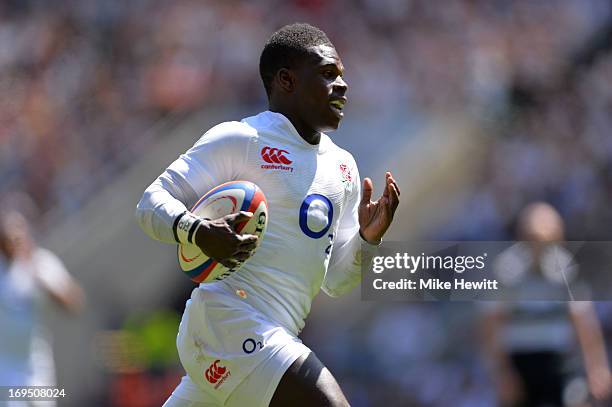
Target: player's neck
(310, 135)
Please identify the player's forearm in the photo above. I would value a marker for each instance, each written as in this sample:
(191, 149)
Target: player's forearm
(496, 356)
(157, 211)
(344, 269)
(589, 336)
(72, 298)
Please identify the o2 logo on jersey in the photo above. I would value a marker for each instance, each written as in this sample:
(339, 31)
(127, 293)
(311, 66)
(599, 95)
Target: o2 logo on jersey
(316, 214)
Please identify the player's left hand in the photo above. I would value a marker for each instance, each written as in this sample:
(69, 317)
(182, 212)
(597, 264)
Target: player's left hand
(375, 217)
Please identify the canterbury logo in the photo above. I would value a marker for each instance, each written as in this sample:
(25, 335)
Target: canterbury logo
(216, 374)
(275, 156)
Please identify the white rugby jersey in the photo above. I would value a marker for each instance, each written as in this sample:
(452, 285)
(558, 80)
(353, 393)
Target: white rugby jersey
(26, 355)
(313, 193)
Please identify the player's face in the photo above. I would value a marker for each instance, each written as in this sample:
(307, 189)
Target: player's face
(320, 89)
(14, 238)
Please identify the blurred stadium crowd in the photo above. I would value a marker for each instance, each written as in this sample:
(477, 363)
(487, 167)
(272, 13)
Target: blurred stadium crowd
(83, 85)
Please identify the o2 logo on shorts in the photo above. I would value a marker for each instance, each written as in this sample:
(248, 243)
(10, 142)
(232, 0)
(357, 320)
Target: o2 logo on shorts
(316, 214)
(250, 345)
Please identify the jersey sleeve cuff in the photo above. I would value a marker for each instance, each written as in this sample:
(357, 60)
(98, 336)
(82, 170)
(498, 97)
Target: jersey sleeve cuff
(185, 227)
(363, 241)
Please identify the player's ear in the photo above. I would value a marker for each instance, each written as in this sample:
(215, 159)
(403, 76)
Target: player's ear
(285, 80)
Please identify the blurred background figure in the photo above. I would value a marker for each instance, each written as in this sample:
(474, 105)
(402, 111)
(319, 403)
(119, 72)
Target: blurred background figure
(31, 280)
(531, 344)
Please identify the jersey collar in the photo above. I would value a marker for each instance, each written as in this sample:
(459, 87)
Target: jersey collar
(282, 124)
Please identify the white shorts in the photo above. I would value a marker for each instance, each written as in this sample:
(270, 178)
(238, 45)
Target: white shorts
(233, 355)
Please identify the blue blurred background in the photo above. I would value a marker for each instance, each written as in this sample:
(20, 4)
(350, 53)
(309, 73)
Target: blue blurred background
(478, 107)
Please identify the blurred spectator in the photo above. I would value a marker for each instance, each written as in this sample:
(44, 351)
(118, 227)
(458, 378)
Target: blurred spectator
(530, 343)
(83, 83)
(31, 279)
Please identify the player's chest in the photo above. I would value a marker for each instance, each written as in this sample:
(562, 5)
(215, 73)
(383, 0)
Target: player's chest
(294, 178)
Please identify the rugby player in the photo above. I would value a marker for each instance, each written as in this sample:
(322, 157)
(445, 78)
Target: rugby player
(238, 339)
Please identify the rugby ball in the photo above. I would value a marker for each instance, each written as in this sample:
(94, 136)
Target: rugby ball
(225, 199)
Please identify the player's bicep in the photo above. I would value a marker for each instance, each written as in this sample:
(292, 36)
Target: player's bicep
(184, 180)
(216, 158)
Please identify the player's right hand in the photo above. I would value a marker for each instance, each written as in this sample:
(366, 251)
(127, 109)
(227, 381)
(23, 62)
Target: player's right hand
(219, 240)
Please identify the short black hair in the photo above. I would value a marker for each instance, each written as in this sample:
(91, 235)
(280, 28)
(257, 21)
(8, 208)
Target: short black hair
(286, 47)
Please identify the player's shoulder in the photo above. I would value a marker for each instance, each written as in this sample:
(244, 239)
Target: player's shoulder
(230, 131)
(338, 152)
